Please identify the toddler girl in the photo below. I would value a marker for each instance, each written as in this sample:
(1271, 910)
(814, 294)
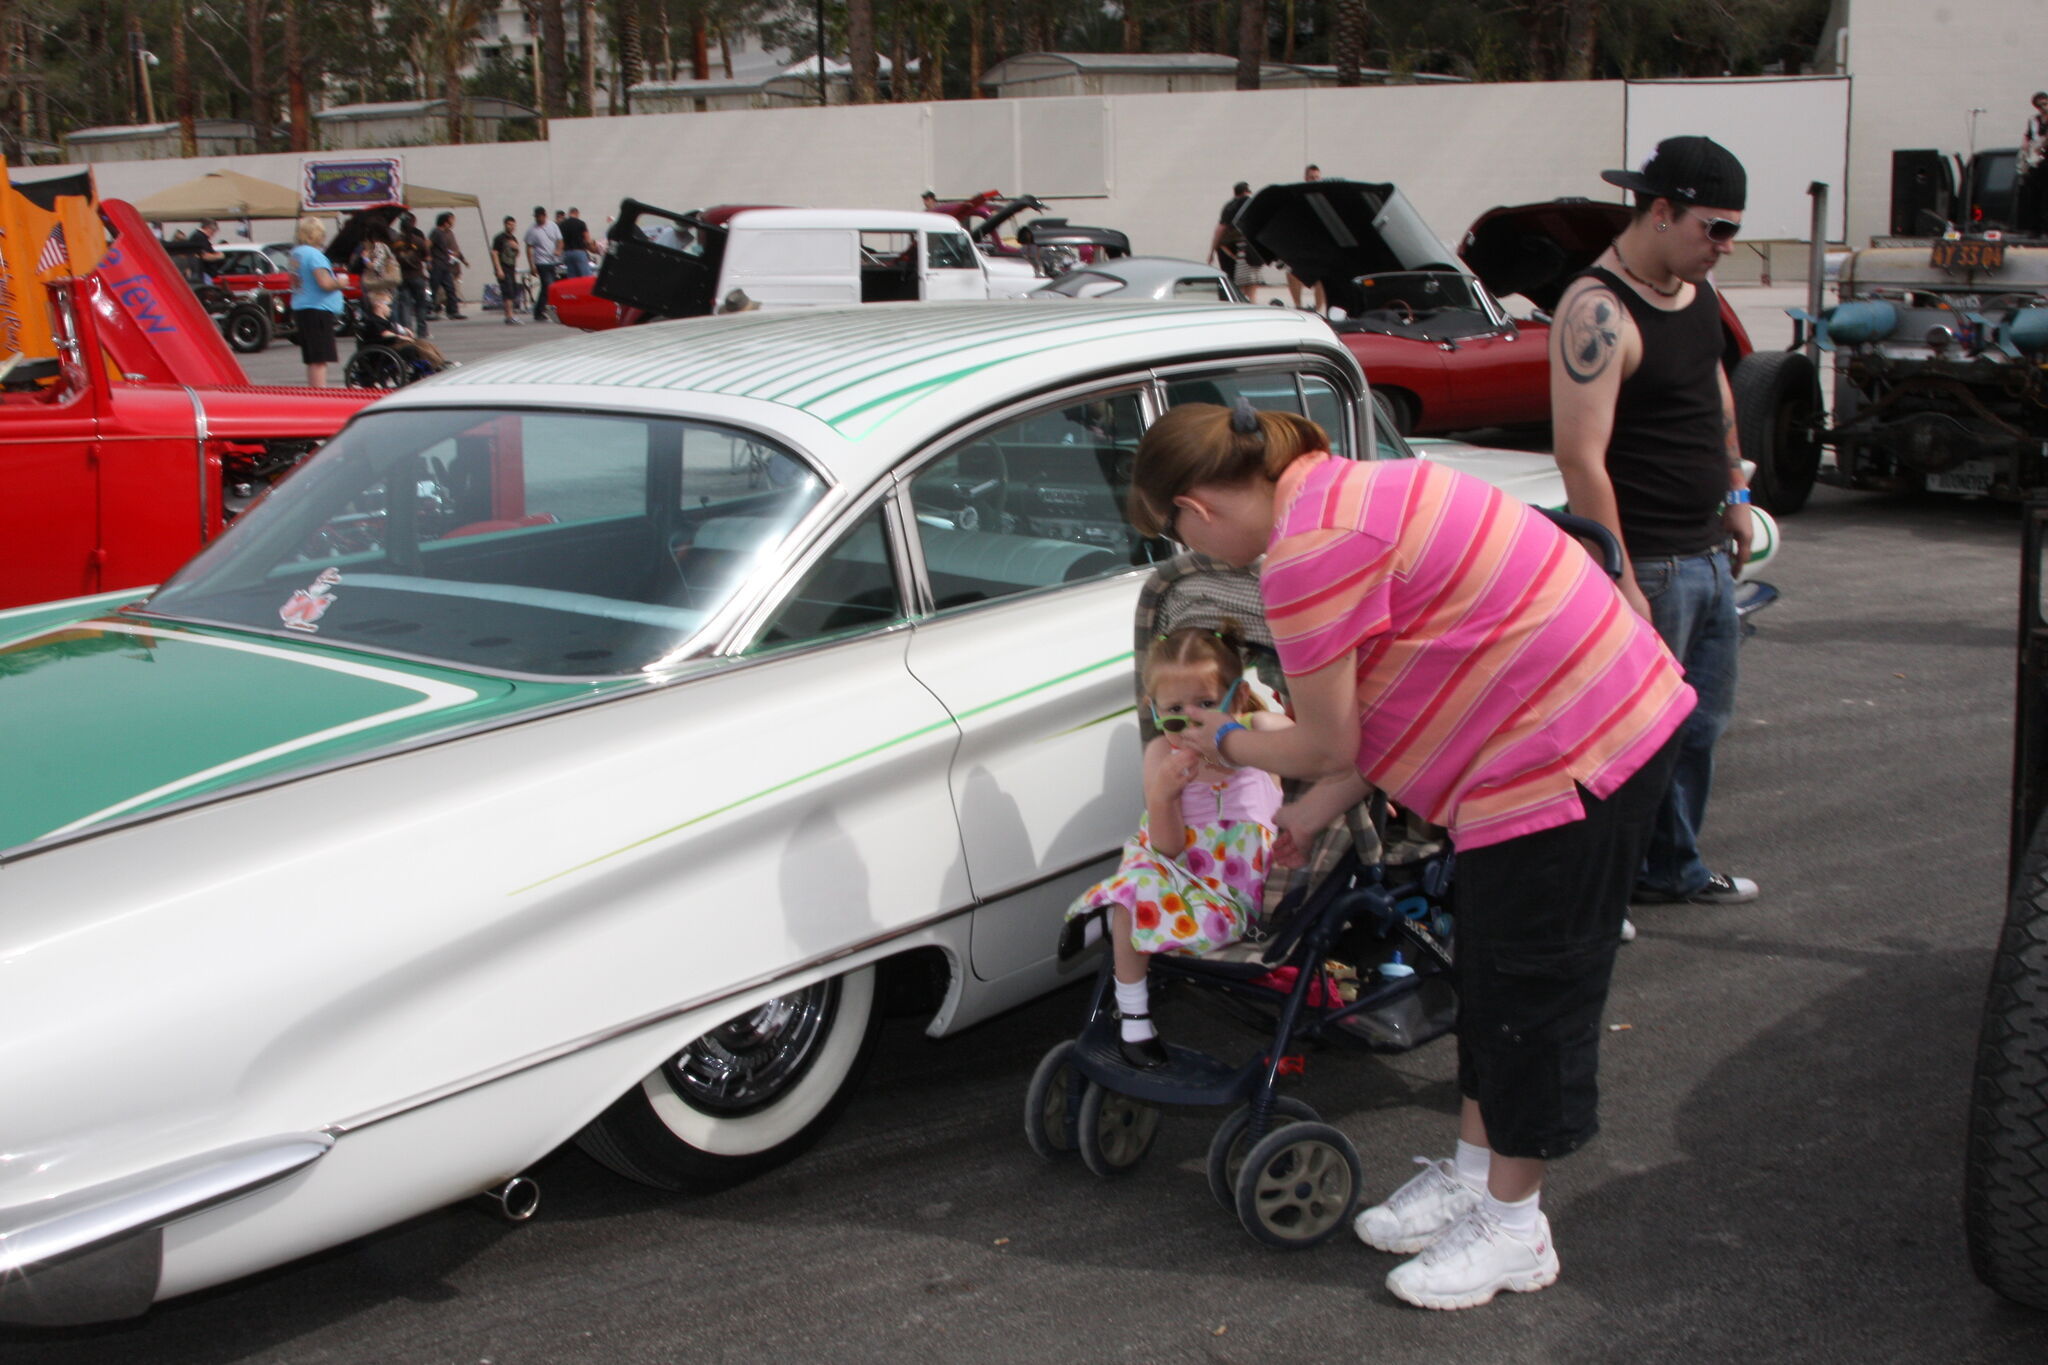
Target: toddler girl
(1192, 877)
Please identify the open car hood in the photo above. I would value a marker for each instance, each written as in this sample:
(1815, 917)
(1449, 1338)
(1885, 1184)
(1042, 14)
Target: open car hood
(1535, 249)
(1335, 230)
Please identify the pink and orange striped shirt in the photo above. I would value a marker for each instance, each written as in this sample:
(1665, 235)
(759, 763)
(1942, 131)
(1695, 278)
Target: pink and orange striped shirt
(1498, 667)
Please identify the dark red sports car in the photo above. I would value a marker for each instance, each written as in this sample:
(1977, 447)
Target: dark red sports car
(1426, 323)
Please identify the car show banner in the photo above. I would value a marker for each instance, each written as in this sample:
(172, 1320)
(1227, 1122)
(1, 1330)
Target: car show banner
(358, 183)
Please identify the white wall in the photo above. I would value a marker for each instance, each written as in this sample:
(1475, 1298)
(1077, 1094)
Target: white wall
(1920, 66)
(1168, 160)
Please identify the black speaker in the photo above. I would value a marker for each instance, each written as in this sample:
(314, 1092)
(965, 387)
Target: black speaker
(1923, 182)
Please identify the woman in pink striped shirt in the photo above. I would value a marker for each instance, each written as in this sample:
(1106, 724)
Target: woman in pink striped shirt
(1450, 645)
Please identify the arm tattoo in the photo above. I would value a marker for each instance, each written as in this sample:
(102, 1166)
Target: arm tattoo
(1728, 439)
(1591, 334)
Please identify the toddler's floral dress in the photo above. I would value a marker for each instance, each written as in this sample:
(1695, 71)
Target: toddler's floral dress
(1204, 898)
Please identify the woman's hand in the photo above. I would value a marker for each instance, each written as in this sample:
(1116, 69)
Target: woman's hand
(1200, 735)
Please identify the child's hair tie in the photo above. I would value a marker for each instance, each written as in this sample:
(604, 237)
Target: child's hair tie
(1244, 418)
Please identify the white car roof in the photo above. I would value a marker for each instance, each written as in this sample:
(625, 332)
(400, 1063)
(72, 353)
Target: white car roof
(865, 220)
(857, 387)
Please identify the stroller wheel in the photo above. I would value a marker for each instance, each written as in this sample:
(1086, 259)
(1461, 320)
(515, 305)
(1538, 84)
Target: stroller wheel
(1052, 1105)
(1227, 1149)
(1115, 1130)
(1298, 1185)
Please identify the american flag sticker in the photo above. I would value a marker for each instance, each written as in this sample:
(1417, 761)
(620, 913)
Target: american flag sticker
(55, 256)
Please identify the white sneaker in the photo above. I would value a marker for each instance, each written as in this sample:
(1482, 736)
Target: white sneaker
(1628, 930)
(1419, 1212)
(1475, 1260)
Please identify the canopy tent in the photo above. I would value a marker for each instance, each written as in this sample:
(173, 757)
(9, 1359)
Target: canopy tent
(220, 194)
(427, 197)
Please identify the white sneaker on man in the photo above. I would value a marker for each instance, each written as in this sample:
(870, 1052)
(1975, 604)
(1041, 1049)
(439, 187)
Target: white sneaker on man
(1418, 1213)
(1474, 1260)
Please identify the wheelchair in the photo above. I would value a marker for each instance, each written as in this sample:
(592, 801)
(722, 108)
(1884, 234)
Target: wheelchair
(378, 366)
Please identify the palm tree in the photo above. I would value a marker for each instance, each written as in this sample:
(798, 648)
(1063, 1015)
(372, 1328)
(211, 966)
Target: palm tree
(586, 38)
(860, 48)
(451, 30)
(1347, 39)
(1251, 42)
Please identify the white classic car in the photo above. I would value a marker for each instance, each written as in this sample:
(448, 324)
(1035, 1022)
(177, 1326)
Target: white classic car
(566, 751)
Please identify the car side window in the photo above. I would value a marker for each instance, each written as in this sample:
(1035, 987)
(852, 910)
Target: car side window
(1033, 503)
(1200, 287)
(1267, 389)
(1326, 410)
(853, 588)
(951, 251)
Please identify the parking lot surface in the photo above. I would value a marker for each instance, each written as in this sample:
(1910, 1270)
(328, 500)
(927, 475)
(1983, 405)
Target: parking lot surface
(1779, 1177)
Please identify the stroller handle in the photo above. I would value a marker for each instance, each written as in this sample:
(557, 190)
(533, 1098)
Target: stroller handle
(1585, 528)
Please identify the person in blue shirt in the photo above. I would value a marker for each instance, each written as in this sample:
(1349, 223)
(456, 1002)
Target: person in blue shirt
(316, 300)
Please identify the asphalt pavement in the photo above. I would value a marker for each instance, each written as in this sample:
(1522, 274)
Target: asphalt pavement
(1785, 1084)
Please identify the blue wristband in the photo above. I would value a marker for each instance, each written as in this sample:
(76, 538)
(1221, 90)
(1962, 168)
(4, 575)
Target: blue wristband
(1737, 497)
(1216, 741)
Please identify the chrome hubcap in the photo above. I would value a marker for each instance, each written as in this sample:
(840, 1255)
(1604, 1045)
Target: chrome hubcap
(754, 1060)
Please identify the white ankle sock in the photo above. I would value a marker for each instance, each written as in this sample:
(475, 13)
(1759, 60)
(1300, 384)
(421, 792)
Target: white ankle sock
(1518, 1217)
(1133, 998)
(1473, 1163)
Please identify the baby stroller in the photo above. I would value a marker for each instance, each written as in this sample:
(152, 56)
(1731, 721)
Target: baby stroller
(1356, 952)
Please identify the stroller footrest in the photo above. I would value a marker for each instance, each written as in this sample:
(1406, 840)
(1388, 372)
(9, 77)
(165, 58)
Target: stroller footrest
(1190, 1077)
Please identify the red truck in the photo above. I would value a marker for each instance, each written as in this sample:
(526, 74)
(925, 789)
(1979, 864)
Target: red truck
(143, 437)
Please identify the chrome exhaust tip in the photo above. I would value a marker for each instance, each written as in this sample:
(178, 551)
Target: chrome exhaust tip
(515, 1201)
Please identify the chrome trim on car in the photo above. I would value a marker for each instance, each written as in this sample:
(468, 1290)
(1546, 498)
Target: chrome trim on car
(544, 1056)
(69, 1224)
(199, 429)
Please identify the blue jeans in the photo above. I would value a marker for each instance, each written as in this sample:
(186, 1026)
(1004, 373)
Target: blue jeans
(1692, 605)
(543, 276)
(575, 264)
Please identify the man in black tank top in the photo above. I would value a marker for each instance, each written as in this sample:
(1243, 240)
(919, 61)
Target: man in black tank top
(1645, 435)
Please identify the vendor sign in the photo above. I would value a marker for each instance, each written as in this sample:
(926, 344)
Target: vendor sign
(358, 183)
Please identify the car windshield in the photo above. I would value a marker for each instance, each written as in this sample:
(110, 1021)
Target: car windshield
(531, 543)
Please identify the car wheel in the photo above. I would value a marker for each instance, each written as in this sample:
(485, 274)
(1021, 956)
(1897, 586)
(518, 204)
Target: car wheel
(246, 327)
(1777, 402)
(747, 1096)
(1397, 410)
(2005, 1184)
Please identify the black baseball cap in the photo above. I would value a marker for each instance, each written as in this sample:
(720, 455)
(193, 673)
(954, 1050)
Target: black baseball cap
(1688, 170)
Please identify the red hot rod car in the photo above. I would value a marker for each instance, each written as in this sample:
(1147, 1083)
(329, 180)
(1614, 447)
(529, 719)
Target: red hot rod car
(143, 437)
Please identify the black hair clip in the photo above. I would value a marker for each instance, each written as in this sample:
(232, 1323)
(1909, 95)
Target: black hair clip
(1244, 419)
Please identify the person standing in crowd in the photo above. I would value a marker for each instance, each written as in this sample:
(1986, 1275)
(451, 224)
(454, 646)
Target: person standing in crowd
(928, 202)
(1309, 174)
(316, 300)
(205, 256)
(575, 245)
(2030, 206)
(447, 260)
(505, 260)
(1646, 440)
(409, 245)
(1444, 641)
(544, 258)
(1227, 246)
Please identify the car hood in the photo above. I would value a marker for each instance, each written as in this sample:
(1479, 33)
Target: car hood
(1535, 249)
(1529, 477)
(1340, 229)
(259, 412)
(118, 715)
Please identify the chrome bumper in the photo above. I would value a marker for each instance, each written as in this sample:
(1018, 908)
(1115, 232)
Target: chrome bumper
(95, 1254)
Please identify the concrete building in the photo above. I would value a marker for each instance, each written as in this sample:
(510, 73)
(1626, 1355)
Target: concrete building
(1040, 75)
(417, 123)
(151, 141)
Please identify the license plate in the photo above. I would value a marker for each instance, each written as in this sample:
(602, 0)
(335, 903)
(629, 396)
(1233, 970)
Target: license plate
(1971, 476)
(1968, 254)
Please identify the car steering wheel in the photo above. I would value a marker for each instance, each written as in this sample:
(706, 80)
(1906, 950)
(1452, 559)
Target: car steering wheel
(1401, 305)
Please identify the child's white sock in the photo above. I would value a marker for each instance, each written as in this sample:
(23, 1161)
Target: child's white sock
(1473, 1164)
(1518, 1217)
(1132, 997)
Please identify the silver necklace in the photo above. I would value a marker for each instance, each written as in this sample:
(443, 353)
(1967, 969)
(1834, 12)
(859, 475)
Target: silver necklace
(1670, 293)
